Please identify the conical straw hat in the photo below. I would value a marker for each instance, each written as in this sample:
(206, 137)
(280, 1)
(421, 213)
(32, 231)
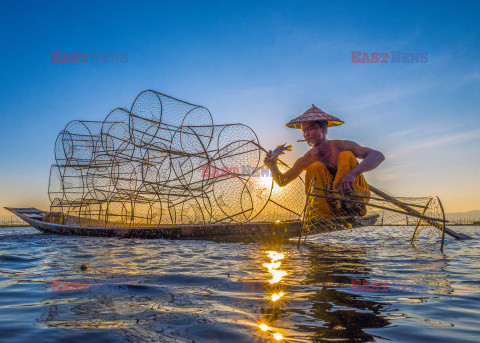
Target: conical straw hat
(313, 114)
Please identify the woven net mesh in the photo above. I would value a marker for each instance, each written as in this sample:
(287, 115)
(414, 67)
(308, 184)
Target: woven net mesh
(164, 162)
(389, 221)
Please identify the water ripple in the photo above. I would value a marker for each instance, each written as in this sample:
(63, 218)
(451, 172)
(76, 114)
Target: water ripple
(196, 291)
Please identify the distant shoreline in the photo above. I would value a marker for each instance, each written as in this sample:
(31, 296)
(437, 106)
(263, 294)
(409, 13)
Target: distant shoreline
(448, 224)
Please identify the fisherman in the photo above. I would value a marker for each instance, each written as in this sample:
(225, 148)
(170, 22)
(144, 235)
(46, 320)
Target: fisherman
(333, 164)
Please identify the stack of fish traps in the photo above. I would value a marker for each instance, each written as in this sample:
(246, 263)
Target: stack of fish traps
(164, 162)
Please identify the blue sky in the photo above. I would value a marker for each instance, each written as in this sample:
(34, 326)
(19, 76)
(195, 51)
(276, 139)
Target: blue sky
(256, 62)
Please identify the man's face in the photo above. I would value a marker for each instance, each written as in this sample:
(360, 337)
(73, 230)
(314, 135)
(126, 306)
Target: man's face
(313, 133)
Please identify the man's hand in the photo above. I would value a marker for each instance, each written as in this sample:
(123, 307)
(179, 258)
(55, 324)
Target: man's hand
(347, 184)
(270, 160)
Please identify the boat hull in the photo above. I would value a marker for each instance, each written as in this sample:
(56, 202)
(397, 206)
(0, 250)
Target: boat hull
(230, 232)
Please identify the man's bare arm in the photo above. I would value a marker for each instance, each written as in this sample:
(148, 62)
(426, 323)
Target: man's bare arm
(371, 160)
(290, 175)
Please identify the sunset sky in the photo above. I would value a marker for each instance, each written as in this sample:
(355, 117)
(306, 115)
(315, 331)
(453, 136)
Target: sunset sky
(260, 63)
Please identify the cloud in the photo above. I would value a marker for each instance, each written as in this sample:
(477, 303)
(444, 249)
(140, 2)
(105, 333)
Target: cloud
(388, 174)
(475, 76)
(436, 142)
(423, 128)
(396, 170)
(453, 139)
(468, 78)
(382, 97)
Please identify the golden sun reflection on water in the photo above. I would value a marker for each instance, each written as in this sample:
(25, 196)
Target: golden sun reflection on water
(277, 276)
(275, 297)
(275, 256)
(272, 267)
(265, 327)
(276, 294)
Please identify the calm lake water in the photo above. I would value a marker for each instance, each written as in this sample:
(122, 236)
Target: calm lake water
(196, 291)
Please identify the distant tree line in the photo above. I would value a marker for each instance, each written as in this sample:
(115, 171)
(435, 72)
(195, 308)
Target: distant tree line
(464, 221)
(12, 222)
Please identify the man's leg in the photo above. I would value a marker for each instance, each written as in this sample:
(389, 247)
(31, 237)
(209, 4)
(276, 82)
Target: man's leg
(318, 207)
(345, 162)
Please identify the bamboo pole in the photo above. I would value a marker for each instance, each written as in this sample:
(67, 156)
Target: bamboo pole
(417, 214)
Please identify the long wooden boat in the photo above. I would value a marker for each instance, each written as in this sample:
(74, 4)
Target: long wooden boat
(224, 232)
